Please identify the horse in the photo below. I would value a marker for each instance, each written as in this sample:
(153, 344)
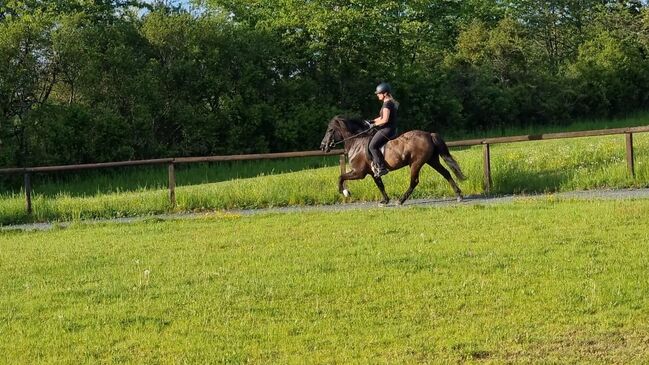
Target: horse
(414, 148)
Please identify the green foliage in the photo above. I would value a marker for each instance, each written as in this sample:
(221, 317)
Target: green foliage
(97, 81)
(611, 70)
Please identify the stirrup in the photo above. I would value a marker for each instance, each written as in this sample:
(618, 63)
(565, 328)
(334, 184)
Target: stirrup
(381, 172)
(374, 167)
(378, 170)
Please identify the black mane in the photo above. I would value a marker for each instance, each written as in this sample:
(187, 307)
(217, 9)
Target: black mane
(353, 125)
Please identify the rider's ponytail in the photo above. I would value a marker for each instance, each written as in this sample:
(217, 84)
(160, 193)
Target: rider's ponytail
(395, 101)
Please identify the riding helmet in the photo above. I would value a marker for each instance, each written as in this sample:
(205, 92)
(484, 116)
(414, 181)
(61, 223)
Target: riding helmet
(383, 87)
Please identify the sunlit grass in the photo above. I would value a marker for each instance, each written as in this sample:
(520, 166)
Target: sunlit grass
(542, 281)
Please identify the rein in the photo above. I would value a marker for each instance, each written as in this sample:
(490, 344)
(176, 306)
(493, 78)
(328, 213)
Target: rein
(350, 137)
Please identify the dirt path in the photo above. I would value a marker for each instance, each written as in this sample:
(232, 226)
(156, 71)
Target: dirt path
(469, 200)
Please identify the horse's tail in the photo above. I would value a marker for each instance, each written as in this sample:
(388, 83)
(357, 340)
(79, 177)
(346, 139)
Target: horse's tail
(442, 148)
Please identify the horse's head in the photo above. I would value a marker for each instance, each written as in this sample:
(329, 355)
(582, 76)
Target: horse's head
(333, 134)
(338, 129)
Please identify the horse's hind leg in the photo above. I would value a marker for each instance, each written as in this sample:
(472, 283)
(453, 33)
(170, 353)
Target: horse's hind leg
(414, 180)
(379, 184)
(434, 163)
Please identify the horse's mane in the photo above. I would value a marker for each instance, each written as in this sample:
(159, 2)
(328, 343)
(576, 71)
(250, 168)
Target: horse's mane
(353, 125)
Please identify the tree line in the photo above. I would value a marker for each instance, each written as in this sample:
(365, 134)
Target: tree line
(103, 80)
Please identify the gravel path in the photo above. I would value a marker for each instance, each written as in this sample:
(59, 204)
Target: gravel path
(621, 194)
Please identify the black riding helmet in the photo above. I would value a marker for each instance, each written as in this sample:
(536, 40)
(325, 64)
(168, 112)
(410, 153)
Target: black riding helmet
(383, 87)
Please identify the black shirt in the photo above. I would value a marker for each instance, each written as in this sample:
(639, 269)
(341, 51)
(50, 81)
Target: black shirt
(392, 120)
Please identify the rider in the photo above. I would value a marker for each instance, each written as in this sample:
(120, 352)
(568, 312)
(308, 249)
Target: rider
(386, 126)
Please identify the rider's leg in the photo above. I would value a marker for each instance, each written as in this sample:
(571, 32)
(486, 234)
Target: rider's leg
(378, 140)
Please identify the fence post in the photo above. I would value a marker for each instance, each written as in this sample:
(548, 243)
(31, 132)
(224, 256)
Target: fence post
(343, 167)
(172, 184)
(28, 192)
(486, 160)
(629, 154)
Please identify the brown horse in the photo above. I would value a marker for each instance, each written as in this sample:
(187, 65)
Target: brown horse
(414, 148)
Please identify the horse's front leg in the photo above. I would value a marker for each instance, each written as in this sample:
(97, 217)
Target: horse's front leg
(379, 184)
(352, 175)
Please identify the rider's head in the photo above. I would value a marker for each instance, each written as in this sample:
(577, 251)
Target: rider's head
(383, 88)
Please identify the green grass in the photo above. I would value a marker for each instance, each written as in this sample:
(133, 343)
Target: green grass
(541, 281)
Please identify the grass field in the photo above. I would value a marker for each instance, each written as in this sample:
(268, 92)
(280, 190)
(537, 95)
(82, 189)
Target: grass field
(541, 281)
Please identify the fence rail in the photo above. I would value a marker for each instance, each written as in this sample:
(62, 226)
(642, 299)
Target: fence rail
(171, 162)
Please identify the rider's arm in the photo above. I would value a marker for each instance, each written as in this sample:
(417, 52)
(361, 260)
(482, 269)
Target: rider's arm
(385, 116)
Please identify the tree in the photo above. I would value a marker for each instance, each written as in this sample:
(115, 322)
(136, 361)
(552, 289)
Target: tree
(556, 26)
(612, 68)
(143, 80)
(28, 73)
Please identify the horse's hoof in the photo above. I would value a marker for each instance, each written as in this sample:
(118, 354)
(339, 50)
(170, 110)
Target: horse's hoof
(399, 203)
(460, 198)
(346, 193)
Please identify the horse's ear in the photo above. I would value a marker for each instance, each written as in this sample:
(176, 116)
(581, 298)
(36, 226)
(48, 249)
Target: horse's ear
(332, 123)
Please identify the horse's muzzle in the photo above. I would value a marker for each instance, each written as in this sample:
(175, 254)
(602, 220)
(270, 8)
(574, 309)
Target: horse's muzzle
(326, 147)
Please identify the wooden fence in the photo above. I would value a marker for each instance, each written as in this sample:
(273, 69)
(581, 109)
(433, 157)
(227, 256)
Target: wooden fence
(171, 162)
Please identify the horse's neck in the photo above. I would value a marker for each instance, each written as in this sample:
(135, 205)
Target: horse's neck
(356, 146)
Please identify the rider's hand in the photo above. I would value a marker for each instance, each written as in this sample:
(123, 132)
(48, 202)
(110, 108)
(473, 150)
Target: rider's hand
(369, 123)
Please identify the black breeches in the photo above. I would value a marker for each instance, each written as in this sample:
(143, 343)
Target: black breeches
(379, 139)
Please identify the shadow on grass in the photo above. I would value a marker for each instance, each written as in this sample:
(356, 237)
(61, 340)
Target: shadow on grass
(519, 181)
